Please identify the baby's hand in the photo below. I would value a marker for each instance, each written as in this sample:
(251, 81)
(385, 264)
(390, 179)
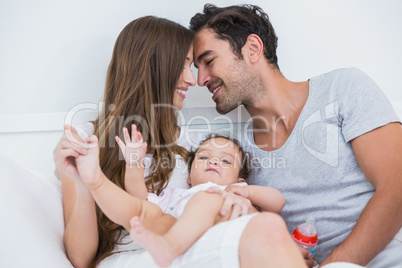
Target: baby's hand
(135, 149)
(88, 165)
(238, 190)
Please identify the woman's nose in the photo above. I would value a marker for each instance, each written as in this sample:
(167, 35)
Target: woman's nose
(189, 77)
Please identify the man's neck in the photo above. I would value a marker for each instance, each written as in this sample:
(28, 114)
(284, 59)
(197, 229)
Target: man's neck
(276, 113)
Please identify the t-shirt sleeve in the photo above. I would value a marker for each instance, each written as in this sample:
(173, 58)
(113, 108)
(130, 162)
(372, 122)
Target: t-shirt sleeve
(362, 105)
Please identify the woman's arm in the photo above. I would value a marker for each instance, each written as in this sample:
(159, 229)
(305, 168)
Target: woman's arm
(81, 230)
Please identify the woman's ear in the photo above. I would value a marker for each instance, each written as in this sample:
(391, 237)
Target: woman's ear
(240, 180)
(255, 48)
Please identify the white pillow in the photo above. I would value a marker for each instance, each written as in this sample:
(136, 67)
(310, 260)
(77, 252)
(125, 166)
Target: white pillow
(32, 222)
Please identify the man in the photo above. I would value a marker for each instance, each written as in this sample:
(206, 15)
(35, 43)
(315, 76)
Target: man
(332, 145)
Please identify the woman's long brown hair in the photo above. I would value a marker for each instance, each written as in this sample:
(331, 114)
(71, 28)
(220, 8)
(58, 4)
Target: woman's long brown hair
(147, 61)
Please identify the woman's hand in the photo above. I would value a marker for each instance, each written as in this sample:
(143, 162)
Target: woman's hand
(70, 146)
(134, 149)
(236, 203)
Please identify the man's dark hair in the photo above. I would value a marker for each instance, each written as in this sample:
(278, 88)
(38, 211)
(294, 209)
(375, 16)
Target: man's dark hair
(245, 165)
(235, 23)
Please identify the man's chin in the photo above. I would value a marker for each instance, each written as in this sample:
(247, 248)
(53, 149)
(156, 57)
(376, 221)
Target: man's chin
(224, 110)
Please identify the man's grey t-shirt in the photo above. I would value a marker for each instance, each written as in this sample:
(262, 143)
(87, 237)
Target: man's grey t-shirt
(316, 169)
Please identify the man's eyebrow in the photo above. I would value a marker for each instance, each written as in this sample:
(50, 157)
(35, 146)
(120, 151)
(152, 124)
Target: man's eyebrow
(203, 55)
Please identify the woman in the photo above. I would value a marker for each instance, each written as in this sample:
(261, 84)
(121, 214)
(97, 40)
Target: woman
(151, 65)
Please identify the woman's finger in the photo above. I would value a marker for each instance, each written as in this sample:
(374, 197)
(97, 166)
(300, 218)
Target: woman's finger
(214, 190)
(245, 208)
(72, 138)
(76, 135)
(65, 144)
(61, 155)
(227, 204)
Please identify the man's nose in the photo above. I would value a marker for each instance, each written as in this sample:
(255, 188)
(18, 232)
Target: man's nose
(203, 78)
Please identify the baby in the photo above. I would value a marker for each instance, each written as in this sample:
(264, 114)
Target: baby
(167, 225)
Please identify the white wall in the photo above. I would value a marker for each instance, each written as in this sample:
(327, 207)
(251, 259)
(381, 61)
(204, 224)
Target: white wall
(54, 54)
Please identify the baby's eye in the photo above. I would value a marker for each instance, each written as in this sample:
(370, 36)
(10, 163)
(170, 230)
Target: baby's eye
(203, 157)
(225, 161)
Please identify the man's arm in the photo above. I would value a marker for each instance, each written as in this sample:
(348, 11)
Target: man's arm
(379, 153)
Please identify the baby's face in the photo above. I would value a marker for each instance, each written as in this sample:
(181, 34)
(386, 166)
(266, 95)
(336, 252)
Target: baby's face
(217, 160)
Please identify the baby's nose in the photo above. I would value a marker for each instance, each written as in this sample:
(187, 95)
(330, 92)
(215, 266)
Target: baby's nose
(214, 161)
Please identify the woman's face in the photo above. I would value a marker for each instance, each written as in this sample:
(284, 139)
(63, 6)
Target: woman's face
(186, 79)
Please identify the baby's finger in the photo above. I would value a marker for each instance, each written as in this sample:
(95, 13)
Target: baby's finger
(126, 135)
(92, 142)
(134, 133)
(139, 137)
(121, 144)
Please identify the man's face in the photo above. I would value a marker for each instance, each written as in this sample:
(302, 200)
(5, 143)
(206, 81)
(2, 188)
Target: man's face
(221, 71)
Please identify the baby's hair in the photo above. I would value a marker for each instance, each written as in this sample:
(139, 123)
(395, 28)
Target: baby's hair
(245, 156)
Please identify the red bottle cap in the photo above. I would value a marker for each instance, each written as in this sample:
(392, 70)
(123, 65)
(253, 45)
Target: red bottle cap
(304, 239)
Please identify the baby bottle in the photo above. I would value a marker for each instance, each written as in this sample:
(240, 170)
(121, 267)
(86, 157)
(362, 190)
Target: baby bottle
(306, 235)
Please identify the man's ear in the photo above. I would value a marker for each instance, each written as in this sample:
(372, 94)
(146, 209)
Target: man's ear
(240, 180)
(255, 48)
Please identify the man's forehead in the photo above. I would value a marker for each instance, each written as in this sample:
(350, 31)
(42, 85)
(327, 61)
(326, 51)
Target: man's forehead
(205, 43)
(204, 40)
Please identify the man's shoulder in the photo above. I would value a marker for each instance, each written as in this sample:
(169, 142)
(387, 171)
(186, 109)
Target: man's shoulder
(343, 73)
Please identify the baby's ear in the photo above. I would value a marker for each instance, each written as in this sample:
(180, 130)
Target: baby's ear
(189, 181)
(240, 180)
